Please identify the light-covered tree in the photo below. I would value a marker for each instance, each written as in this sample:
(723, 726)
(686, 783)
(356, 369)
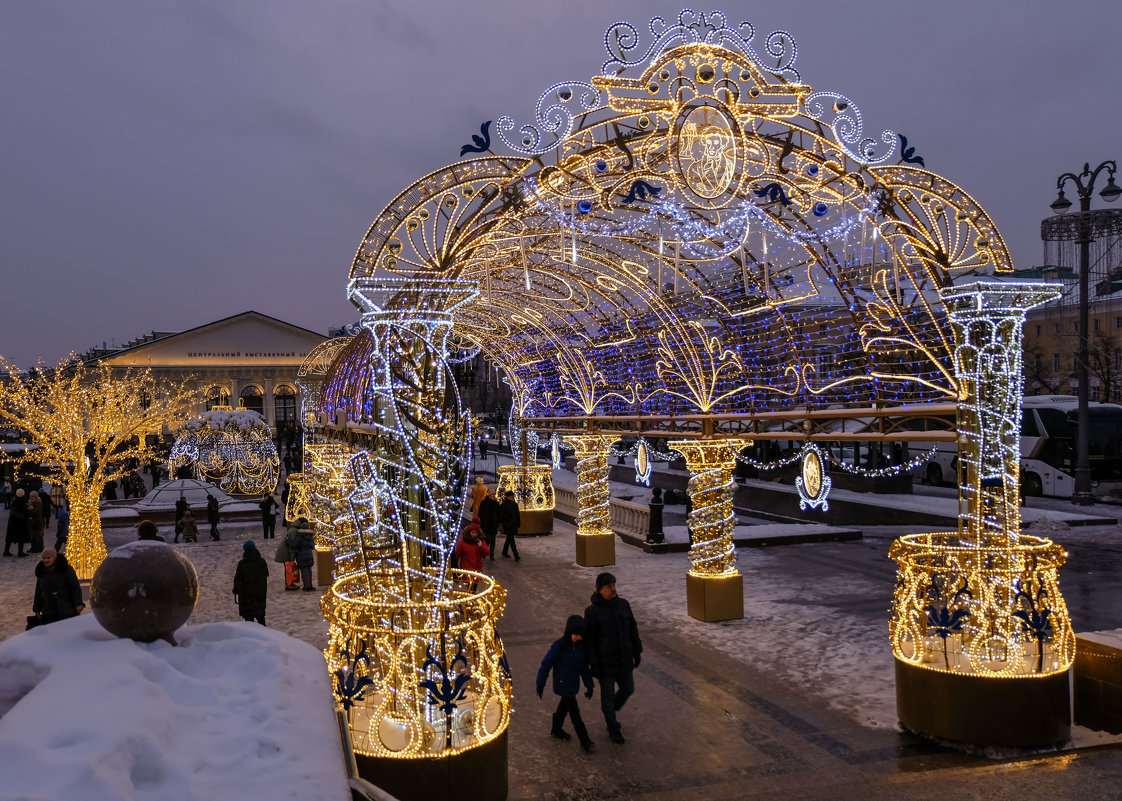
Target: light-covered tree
(89, 422)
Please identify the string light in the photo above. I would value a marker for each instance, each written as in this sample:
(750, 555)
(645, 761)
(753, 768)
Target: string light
(233, 447)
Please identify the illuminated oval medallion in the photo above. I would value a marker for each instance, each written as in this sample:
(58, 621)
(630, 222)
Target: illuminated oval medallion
(707, 152)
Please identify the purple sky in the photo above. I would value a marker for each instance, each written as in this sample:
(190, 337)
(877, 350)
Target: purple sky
(168, 164)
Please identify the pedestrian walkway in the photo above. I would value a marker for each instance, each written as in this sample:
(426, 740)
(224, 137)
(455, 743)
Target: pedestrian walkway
(794, 701)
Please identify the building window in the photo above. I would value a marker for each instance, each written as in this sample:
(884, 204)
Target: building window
(253, 400)
(1055, 362)
(1057, 328)
(1074, 362)
(1118, 322)
(1038, 330)
(1036, 363)
(1117, 359)
(1075, 326)
(284, 405)
(1096, 323)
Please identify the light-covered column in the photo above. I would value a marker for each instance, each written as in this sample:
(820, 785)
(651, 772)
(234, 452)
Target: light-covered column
(596, 543)
(980, 630)
(714, 587)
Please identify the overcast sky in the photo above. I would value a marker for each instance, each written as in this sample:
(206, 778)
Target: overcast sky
(166, 164)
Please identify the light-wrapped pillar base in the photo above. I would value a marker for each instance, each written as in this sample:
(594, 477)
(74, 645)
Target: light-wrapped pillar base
(596, 543)
(423, 683)
(714, 587)
(979, 628)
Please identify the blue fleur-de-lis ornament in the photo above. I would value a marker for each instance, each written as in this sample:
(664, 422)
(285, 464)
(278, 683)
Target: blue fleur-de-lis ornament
(349, 686)
(908, 154)
(640, 190)
(482, 141)
(774, 192)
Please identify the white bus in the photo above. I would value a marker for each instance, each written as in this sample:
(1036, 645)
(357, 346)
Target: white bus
(1048, 433)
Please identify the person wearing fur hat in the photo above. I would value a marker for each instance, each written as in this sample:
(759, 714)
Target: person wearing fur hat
(614, 648)
(16, 533)
(472, 549)
(58, 594)
(569, 663)
(251, 583)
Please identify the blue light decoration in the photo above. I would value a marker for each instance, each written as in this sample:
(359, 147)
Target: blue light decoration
(813, 485)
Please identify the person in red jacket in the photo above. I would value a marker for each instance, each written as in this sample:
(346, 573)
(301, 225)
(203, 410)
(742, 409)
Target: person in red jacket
(472, 549)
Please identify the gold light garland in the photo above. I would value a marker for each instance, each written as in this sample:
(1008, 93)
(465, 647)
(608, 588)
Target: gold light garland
(711, 488)
(593, 494)
(233, 447)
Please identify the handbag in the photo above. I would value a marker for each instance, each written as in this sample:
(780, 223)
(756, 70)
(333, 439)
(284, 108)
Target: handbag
(282, 554)
(33, 621)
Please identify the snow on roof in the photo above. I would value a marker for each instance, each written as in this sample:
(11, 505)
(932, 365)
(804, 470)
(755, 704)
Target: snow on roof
(236, 710)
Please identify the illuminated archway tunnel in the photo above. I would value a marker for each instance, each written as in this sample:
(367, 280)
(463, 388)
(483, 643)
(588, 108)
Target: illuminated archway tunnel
(694, 232)
(690, 231)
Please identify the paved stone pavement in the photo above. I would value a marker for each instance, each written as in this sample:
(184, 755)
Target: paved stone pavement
(794, 701)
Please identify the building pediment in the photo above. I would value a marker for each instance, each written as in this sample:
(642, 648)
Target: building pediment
(247, 339)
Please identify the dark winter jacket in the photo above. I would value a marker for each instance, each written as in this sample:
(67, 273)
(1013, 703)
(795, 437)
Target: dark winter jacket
(251, 583)
(305, 550)
(489, 515)
(611, 636)
(57, 591)
(568, 661)
(17, 522)
(211, 509)
(34, 516)
(509, 517)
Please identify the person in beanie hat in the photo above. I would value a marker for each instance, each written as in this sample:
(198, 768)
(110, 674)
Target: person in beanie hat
(612, 640)
(567, 659)
(472, 548)
(251, 583)
(147, 530)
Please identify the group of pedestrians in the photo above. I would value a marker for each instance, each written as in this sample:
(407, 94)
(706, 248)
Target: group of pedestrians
(605, 645)
(185, 524)
(490, 515)
(29, 515)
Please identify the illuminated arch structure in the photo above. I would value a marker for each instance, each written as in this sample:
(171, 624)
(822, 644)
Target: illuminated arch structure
(695, 243)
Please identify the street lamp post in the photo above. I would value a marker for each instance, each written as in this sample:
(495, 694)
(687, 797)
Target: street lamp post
(1083, 233)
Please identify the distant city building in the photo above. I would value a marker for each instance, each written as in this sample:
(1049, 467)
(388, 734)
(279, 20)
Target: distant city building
(249, 359)
(1052, 339)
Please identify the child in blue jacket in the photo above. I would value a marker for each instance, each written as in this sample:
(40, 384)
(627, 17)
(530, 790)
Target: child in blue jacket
(569, 663)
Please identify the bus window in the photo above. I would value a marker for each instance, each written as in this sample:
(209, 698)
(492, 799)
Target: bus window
(1028, 424)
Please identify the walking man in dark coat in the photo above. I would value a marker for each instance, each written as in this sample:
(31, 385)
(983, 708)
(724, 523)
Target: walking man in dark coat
(489, 520)
(510, 519)
(212, 516)
(58, 594)
(181, 506)
(268, 507)
(17, 524)
(251, 583)
(611, 638)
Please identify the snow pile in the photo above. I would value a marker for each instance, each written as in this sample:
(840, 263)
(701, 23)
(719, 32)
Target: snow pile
(236, 711)
(243, 420)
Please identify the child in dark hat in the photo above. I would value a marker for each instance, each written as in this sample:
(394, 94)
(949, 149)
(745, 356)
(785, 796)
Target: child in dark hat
(567, 660)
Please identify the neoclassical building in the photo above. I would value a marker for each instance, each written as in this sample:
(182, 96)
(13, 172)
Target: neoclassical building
(249, 359)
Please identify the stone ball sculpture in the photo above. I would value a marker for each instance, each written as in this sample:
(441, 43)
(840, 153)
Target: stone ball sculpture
(144, 590)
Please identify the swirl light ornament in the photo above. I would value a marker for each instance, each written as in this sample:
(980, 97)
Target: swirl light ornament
(714, 587)
(595, 539)
(417, 663)
(984, 602)
(233, 447)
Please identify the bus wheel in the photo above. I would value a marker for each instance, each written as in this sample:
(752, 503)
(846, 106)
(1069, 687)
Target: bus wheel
(1032, 485)
(934, 475)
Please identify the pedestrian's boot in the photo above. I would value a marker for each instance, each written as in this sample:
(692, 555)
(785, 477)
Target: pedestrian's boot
(557, 731)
